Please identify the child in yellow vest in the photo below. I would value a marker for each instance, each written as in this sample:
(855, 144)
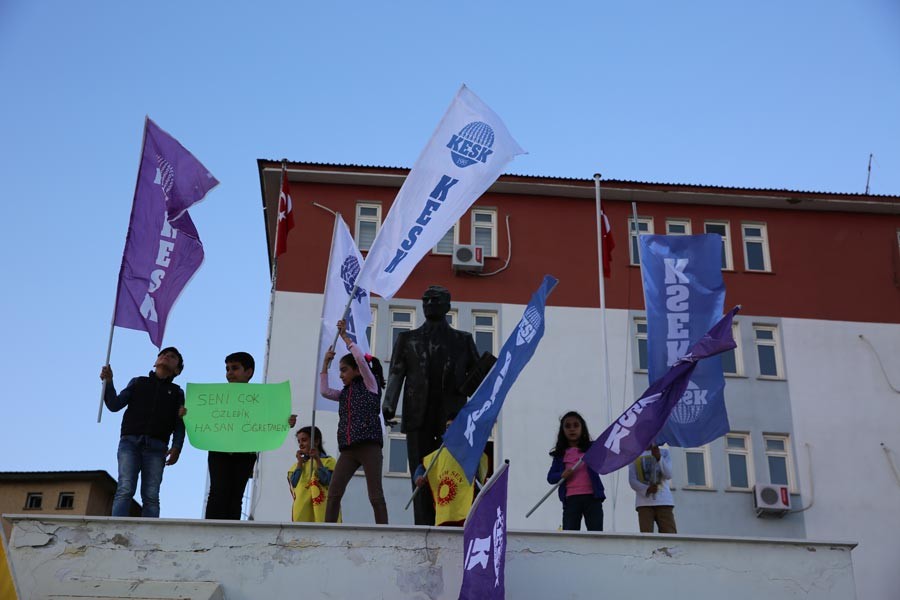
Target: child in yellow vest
(309, 477)
(452, 494)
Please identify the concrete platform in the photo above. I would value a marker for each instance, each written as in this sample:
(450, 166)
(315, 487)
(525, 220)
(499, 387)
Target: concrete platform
(271, 561)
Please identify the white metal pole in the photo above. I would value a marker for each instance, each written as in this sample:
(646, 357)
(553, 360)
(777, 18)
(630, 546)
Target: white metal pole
(112, 328)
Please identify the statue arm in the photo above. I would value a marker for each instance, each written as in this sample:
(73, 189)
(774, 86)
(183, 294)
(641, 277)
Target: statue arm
(396, 376)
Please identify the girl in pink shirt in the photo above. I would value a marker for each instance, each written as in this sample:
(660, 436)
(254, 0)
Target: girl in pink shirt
(581, 492)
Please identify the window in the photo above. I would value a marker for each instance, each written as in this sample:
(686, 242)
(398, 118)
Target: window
(66, 500)
(445, 246)
(33, 501)
(778, 457)
(733, 360)
(697, 461)
(397, 462)
(368, 222)
(678, 227)
(640, 342)
(370, 330)
(402, 319)
(740, 470)
(452, 317)
(767, 351)
(756, 247)
(484, 230)
(485, 332)
(724, 230)
(645, 225)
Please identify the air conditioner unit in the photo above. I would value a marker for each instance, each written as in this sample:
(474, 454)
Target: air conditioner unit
(468, 258)
(771, 500)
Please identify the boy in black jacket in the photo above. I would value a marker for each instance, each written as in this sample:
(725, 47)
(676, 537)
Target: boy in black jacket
(151, 417)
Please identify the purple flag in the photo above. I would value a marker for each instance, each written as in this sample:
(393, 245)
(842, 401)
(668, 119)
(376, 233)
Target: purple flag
(163, 249)
(484, 541)
(638, 426)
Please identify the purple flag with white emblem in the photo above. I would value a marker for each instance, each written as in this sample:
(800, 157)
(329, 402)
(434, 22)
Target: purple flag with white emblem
(638, 426)
(484, 541)
(163, 249)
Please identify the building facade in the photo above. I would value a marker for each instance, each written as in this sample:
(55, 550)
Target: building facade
(811, 390)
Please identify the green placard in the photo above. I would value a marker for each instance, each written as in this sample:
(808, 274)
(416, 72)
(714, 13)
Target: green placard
(237, 417)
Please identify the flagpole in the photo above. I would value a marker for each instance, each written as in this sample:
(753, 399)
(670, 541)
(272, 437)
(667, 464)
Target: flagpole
(274, 283)
(603, 326)
(550, 491)
(312, 431)
(427, 470)
(112, 328)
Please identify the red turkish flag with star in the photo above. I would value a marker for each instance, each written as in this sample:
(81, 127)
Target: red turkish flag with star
(285, 216)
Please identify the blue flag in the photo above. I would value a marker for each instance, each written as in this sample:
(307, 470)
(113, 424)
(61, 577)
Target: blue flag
(469, 432)
(484, 541)
(640, 424)
(684, 293)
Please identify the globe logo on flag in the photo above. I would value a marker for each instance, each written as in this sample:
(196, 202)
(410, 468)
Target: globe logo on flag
(349, 272)
(528, 326)
(690, 405)
(473, 144)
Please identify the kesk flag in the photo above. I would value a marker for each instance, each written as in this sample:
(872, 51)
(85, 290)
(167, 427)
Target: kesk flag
(162, 249)
(484, 541)
(465, 155)
(344, 265)
(285, 219)
(608, 244)
(639, 425)
(685, 294)
(468, 434)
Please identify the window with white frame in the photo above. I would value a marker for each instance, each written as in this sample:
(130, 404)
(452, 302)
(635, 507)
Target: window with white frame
(484, 230)
(484, 329)
(640, 343)
(445, 245)
(733, 360)
(723, 228)
(768, 351)
(678, 227)
(397, 460)
(452, 317)
(368, 222)
(645, 225)
(740, 464)
(698, 468)
(66, 501)
(370, 330)
(778, 457)
(402, 319)
(756, 247)
(34, 500)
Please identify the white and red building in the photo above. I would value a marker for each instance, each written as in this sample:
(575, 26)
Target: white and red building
(813, 389)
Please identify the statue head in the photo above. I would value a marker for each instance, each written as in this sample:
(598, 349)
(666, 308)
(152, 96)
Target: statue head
(436, 302)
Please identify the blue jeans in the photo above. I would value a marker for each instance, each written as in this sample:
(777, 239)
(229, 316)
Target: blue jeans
(583, 505)
(144, 455)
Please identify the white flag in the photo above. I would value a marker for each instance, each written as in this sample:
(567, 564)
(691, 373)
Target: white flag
(343, 268)
(467, 152)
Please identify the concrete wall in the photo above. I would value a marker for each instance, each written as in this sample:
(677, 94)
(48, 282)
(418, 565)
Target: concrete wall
(261, 560)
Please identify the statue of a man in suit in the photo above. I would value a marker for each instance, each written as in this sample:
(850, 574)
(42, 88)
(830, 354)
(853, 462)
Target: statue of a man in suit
(433, 361)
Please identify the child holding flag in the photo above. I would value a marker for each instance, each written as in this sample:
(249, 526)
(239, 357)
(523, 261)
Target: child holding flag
(581, 492)
(360, 439)
(308, 478)
(451, 492)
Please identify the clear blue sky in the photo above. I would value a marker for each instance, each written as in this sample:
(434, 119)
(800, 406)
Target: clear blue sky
(765, 94)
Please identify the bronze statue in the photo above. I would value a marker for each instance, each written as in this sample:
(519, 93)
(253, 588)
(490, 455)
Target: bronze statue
(433, 361)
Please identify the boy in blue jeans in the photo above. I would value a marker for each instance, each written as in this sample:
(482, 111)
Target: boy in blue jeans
(151, 417)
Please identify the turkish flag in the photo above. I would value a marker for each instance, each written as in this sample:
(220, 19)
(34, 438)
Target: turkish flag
(608, 244)
(285, 216)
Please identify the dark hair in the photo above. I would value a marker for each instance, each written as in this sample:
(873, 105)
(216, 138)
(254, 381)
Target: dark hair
(242, 358)
(175, 350)
(562, 444)
(374, 365)
(318, 441)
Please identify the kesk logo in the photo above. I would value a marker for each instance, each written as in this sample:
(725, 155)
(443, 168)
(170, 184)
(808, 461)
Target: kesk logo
(690, 405)
(528, 326)
(472, 144)
(349, 272)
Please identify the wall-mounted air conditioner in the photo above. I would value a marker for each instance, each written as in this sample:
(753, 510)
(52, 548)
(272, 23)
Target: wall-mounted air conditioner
(771, 499)
(468, 258)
